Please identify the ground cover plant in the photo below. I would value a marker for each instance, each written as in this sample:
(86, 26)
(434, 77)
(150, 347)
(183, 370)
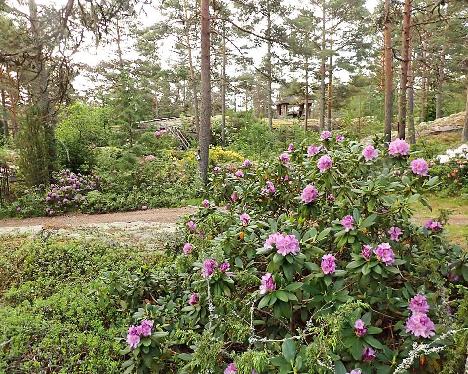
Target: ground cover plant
(315, 266)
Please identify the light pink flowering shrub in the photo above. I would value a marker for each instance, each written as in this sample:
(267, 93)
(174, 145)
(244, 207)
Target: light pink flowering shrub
(398, 147)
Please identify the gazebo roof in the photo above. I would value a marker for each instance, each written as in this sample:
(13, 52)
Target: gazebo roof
(291, 100)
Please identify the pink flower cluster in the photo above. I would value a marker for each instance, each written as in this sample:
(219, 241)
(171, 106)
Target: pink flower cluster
(234, 197)
(269, 189)
(290, 147)
(187, 249)
(149, 158)
(159, 133)
(366, 252)
(309, 194)
(339, 138)
(419, 167)
(206, 203)
(368, 354)
(285, 244)
(192, 226)
(284, 158)
(325, 135)
(419, 324)
(247, 164)
(194, 299)
(395, 233)
(210, 265)
(433, 225)
(324, 163)
(239, 174)
(347, 222)
(136, 332)
(398, 148)
(312, 150)
(355, 371)
(385, 254)
(267, 284)
(369, 152)
(328, 264)
(245, 219)
(231, 369)
(360, 328)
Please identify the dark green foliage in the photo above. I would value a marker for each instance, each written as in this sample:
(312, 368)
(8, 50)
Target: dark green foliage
(34, 145)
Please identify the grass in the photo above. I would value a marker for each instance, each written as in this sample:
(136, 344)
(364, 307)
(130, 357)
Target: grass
(457, 227)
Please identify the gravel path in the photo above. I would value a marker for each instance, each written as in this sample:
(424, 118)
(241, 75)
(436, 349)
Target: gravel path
(162, 215)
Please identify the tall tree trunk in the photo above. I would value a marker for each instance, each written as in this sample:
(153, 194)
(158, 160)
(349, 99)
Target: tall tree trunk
(440, 82)
(6, 133)
(119, 46)
(423, 113)
(193, 81)
(223, 87)
(411, 129)
(388, 72)
(465, 127)
(306, 100)
(269, 67)
(330, 89)
(40, 86)
(406, 55)
(204, 137)
(322, 70)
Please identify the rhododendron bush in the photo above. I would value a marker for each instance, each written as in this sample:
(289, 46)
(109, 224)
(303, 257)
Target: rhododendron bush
(310, 264)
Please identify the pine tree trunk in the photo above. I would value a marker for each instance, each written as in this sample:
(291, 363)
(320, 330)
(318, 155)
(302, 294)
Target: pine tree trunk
(6, 133)
(223, 88)
(330, 91)
(193, 81)
(440, 82)
(406, 55)
(423, 113)
(465, 127)
(306, 99)
(269, 68)
(388, 72)
(411, 129)
(204, 137)
(322, 71)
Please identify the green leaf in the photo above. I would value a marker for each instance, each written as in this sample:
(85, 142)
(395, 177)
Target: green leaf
(289, 350)
(369, 221)
(283, 296)
(293, 286)
(465, 272)
(264, 301)
(369, 339)
(356, 350)
(372, 330)
(311, 266)
(340, 368)
(355, 264)
(239, 263)
(323, 234)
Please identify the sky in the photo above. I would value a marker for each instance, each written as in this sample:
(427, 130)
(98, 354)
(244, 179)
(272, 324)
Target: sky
(92, 55)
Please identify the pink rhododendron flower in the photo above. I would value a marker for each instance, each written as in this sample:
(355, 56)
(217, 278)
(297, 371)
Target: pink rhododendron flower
(145, 327)
(398, 148)
(192, 226)
(328, 264)
(419, 167)
(355, 371)
(419, 324)
(385, 254)
(433, 225)
(284, 158)
(268, 284)
(209, 266)
(160, 133)
(216, 170)
(194, 299)
(369, 152)
(224, 267)
(339, 138)
(187, 248)
(330, 198)
(291, 147)
(269, 189)
(395, 233)
(245, 219)
(347, 222)
(247, 163)
(324, 163)
(272, 239)
(234, 197)
(231, 369)
(287, 244)
(309, 194)
(133, 337)
(325, 135)
(206, 203)
(239, 174)
(418, 304)
(312, 150)
(150, 158)
(360, 328)
(368, 354)
(366, 251)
